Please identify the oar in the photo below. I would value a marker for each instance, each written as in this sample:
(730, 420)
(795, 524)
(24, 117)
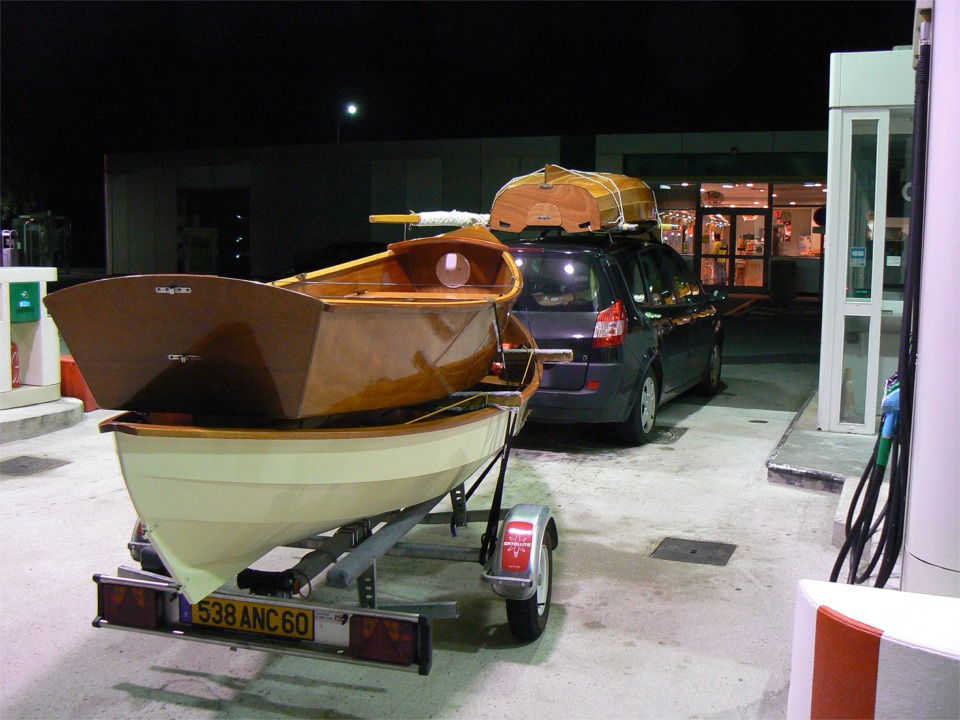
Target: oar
(439, 218)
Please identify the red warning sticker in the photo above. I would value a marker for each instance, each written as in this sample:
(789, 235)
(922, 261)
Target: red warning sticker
(517, 546)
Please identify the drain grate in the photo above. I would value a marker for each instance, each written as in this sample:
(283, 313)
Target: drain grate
(694, 551)
(26, 465)
(668, 435)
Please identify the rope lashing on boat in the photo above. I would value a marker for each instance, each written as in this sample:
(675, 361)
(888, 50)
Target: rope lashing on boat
(598, 178)
(444, 408)
(607, 183)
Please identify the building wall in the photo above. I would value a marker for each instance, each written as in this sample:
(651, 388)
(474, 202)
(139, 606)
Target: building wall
(141, 217)
(303, 199)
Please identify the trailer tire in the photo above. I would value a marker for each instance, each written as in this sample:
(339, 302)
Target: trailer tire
(528, 618)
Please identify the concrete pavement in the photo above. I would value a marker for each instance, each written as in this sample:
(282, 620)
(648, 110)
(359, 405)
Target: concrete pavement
(629, 635)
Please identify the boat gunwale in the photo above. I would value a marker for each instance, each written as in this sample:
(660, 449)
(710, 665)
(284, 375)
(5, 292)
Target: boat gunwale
(118, 424)
(403, 247)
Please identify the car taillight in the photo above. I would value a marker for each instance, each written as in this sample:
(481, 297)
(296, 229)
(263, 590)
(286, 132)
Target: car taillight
(611, 326)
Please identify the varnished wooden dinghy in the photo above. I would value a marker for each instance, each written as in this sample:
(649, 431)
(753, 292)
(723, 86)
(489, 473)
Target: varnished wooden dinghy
(213, 500)
(574, 200)
(409, 325)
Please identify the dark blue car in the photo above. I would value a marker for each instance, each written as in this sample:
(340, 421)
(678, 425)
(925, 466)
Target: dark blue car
(641, 327)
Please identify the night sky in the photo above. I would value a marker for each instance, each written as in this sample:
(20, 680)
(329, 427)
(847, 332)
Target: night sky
(82, 79)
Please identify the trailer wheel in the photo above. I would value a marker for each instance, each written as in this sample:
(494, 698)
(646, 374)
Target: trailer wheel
(528, 618)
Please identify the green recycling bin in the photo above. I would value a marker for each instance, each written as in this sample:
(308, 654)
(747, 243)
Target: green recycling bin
(24, 302)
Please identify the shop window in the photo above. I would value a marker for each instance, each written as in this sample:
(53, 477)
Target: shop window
(751, 235)
(798, 219)
(677, 205)
(736, 195)
(678, 227)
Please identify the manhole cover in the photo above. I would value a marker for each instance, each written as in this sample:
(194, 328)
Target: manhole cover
(694, 551)
(668, 435)
(26, 465)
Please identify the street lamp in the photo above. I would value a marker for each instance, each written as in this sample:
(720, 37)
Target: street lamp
(350, 110)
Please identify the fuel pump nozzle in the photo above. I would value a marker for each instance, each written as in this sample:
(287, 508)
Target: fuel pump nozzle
(891, 411)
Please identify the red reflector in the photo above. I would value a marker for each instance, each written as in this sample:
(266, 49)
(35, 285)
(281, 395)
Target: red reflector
(593, 384)
(611, 326)
(129, 606)
(517, 545)
(391, 641)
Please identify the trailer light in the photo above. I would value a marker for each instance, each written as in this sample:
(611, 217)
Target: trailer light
(129, 606)
(383, 639)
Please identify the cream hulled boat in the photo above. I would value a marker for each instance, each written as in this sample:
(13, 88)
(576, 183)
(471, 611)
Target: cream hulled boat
(213, 500)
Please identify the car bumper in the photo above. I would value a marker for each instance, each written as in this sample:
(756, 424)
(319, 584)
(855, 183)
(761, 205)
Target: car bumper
(602, 399)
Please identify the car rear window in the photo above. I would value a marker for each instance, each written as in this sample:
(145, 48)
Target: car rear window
(558, 282)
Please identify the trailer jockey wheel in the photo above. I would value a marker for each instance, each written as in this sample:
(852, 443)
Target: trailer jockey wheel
(528, 618)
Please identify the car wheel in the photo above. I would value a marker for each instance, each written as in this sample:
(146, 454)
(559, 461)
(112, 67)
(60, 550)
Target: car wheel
(639, 426)
(711, 375)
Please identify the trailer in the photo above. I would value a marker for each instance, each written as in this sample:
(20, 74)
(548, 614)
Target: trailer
(273, 611)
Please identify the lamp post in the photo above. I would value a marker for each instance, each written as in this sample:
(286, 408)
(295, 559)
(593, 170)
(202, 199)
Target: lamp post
(350, 110)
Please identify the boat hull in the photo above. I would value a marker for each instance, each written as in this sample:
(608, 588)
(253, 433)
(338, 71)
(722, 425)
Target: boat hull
(215, 500)
(574, 200)
(331, 342)
(214, 503)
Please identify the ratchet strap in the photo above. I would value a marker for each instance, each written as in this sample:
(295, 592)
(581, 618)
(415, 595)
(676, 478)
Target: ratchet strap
(489, 538)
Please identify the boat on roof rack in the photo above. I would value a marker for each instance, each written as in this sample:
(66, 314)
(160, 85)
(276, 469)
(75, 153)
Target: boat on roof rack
(575, 200)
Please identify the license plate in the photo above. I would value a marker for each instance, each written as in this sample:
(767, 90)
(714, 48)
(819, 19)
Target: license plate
(252, 617)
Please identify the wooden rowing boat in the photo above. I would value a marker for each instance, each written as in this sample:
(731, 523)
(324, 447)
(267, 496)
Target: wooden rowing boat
(577, 201)
(409, 325)
(213, 500)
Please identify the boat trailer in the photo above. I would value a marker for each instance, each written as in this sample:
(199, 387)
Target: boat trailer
(276, 614)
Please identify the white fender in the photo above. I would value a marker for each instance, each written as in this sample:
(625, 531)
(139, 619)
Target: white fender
(512, 571)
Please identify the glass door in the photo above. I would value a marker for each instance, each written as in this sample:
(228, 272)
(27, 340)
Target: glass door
(734, 248)
(715, 233)
(850, 382)
(749, 251)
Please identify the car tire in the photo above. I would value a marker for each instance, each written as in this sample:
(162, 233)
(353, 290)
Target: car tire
(640, 425)
(711, 374)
